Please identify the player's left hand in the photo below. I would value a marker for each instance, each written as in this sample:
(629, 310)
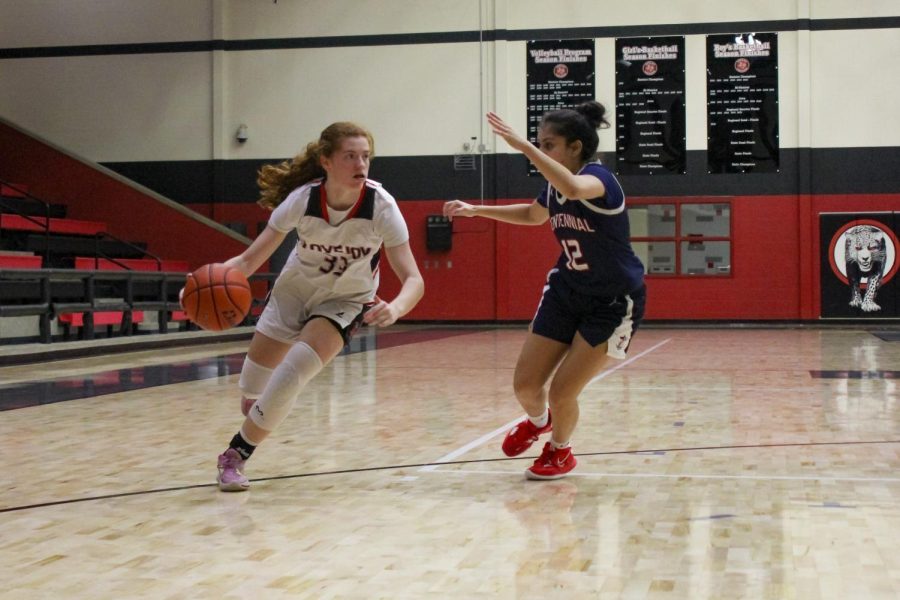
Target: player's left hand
(381, 314)
(501, 128)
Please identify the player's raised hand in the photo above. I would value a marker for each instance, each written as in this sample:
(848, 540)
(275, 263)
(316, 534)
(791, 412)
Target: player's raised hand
(501, 128)
(458, 208)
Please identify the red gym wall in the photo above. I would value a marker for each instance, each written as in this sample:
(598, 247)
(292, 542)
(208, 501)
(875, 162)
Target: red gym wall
(494, 271)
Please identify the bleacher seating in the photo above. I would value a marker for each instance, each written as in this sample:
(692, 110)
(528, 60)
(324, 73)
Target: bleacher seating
(19, 190)
(36, 235)
(54, 225)
(140, 264)
(61, 248)
(27, 206)
(19, 260)
(115, 317)
(29, 225)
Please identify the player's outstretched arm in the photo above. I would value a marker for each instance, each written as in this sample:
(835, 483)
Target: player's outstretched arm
(403, 263)
(571, 186)
(258, 252)
(517, 214)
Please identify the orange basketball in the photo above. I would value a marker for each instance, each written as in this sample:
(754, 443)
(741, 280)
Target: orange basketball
(216, 297)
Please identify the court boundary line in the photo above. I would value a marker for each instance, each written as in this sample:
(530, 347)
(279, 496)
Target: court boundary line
(589, 475)
(488, 436)
(457, 462)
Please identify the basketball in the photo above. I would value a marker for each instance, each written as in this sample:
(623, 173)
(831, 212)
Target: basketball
(216, 297)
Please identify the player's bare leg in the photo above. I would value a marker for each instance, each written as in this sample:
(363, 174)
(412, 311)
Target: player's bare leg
(578, 368)
(537, 360)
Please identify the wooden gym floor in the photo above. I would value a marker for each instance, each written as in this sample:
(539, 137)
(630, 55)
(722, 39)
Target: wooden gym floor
(714, 463)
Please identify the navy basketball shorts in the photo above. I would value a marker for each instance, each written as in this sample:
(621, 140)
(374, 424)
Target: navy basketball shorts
(564, 311)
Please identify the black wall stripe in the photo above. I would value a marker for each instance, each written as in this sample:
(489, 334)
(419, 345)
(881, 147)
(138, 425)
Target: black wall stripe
(102, 49)
(456, 37)
(803, 171)
(858, 23)
(399, 39)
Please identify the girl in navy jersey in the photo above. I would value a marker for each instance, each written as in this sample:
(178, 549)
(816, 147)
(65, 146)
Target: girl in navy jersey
(326, 288)
(594, 297)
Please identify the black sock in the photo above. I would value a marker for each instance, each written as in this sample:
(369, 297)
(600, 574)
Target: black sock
(243, 447)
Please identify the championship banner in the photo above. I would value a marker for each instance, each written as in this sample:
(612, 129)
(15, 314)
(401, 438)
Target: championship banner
(650, 117)
(859, 265)
(560, 75)
(742, 103)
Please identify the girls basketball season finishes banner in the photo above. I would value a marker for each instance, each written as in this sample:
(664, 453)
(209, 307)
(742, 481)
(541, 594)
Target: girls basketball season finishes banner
(650, 115)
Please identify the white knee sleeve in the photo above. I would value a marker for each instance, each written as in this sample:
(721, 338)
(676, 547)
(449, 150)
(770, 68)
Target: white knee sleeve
(299, 366)
(254, 379)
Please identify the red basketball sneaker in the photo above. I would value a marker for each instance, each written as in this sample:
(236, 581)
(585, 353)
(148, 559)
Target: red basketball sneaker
(553, 463)
(523, 435)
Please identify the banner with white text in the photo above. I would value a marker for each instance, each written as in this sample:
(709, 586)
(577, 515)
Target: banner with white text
(560, 74)
(650, 118)
(742, 103)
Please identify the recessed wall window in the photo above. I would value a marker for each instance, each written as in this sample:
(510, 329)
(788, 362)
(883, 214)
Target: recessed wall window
(682, 237)
(652, 220)
(658, 257)
(705, 258)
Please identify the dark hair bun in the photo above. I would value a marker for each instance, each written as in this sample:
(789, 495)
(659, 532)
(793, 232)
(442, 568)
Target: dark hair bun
(594, 112)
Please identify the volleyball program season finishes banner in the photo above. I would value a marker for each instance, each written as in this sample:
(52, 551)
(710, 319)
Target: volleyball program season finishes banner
(560, 75)
(650, 117)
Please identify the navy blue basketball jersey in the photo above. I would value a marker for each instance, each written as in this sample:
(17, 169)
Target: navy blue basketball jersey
(597, 257)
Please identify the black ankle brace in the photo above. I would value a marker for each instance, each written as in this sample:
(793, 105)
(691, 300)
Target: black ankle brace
(243, 447)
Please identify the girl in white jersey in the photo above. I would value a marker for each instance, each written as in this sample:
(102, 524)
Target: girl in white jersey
(594, 297)
(327, 287)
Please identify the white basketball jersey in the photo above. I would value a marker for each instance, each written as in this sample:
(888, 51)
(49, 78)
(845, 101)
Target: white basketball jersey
(343, 257)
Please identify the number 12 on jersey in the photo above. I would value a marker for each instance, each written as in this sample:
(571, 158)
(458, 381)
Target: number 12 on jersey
(574, 255)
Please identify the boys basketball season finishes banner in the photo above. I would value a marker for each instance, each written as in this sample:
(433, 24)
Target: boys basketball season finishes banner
(859, 265)
(742, 103)
(560, 75)
(650, 117)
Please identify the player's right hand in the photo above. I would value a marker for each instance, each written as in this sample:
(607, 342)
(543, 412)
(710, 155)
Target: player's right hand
(458, 208)
(381, 314)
